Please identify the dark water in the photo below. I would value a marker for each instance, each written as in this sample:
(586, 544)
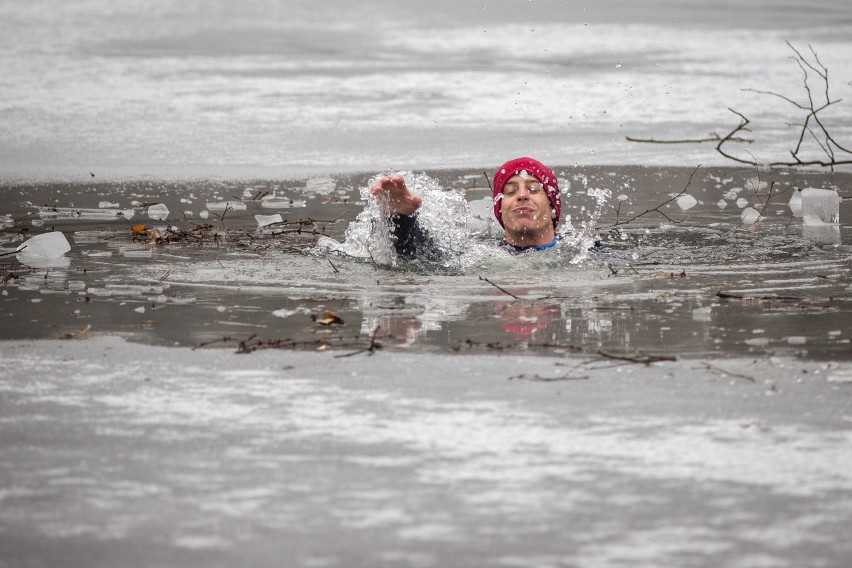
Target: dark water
(654, 287)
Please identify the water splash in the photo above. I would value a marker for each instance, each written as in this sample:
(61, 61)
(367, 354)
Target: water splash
(446, 215)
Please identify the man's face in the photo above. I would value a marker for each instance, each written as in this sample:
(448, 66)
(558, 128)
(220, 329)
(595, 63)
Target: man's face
(525, 207)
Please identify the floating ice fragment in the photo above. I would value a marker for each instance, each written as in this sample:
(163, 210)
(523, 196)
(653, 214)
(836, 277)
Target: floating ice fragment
(204, 214)
(820, 206)
(140, 309)
(136, 253)
(282, 313)
(158, 212)
(622, 197)
(797, 340)
(82, 214)
(281, 203)
(742, 202)
(264, 220)
(796, 204)
(108, 205)
(46, 245)
(702, 314)
(320, 185)
(721, 204)
(757, 341)
(749, 216)
(223, 205)
(686, 202)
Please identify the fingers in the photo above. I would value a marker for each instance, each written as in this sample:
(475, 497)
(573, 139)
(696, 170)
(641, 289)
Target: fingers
(387, 183)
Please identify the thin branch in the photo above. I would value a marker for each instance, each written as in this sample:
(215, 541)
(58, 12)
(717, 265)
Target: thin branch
(499, 288)
(663, 204)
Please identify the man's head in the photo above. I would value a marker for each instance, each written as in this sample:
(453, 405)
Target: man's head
(526, 201)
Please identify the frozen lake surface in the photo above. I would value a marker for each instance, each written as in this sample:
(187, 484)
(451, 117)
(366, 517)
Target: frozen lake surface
(269, 89)
(678, 396)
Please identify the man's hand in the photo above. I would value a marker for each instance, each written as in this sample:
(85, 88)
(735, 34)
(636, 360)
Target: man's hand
(394, 196)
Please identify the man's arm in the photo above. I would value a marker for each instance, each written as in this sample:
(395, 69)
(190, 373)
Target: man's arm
(410, 239)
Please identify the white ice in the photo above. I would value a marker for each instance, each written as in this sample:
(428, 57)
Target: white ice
(46, 245)
(820, 206)
(796, 204)
(264, 220)
(749, 216)
(686, 202)
(158, 212)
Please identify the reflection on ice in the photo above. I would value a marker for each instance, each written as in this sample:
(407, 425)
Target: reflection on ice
(823, 233)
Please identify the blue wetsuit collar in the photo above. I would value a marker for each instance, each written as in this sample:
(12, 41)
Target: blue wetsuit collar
(514, 248)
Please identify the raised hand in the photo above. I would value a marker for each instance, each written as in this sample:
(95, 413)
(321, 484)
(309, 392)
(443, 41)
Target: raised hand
(394, 196)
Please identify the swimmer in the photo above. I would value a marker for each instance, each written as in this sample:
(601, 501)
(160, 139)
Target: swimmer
(526, 204)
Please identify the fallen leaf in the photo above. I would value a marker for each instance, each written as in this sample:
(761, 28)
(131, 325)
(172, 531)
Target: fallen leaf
(139, 229)
(73, 334)
(327, 318)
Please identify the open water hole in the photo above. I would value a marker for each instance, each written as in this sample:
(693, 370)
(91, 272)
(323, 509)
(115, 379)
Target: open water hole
(669, 282)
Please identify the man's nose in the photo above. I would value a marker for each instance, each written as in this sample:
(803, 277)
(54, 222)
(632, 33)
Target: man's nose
(523, 192)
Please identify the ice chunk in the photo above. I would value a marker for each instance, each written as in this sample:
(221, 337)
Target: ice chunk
(320, 185)
(742, 202)
(264, 220)
(46, 245)
(721, 204)
(686, 202)
(281, 203)
(204, 214)
(225, 205)
(108, 205)
(820, 206)
(158, 212)
(796, 204)
(749, 216)
(702, 314)
(83, 214)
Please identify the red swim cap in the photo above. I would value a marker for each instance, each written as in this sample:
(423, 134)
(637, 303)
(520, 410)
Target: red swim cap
(534, 168)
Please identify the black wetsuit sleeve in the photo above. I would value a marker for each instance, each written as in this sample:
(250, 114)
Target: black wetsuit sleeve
(411, 240)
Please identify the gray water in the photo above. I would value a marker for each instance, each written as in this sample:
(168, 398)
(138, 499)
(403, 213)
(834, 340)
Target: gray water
(213, 275)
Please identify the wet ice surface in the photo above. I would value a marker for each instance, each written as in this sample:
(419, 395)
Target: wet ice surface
(651, 288)
(150, 456)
